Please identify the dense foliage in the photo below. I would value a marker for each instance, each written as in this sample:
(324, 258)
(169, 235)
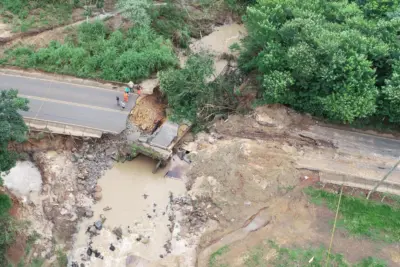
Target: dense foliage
(12, 128)
(193, 95)
(96, 53)
(329, 58)
(184, 87)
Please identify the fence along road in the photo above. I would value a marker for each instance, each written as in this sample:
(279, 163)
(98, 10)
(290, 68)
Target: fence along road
(70, 106)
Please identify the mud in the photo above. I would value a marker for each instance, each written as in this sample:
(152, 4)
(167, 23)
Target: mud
(24, 180)
(217, 43)
(294, 222)
(138, 203)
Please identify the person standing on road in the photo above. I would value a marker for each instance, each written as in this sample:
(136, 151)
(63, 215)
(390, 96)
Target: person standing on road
(117, 100)
(126, 97)
(122, 104)
(127, 90)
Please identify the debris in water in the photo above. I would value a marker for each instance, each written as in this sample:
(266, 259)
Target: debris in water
(118, 232)
(161, 256)
(149, 216)
(154, 205)
(97, 254)
(145, 196)
(139, 238)
(163, 213)
(107, 208)
(112, 248)
(92, 230)
(154, 210)
(145, 240)
(74, 264)
(89, 251)
(98, 225)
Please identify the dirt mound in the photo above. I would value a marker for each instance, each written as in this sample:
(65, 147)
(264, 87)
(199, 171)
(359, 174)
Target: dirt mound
(281, 117)
(271, 122)
(266, 121)
(147, 112)
(240, 177)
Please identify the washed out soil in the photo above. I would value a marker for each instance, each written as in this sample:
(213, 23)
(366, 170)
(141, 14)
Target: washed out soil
(148, 110)
(296, 223)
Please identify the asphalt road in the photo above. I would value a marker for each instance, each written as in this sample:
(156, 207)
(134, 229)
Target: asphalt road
(71, 104)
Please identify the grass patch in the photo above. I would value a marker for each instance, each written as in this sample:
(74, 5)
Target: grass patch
(214, 258)
(315, 257)
(62, 259)
(362, 217)
(24, 15)
(96, 52)
(271, 254)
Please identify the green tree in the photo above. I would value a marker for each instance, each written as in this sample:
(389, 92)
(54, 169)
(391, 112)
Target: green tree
(390, 104)
(184, 87)
(378, 8)
(321, 57)
(193, 93)
(12, 126)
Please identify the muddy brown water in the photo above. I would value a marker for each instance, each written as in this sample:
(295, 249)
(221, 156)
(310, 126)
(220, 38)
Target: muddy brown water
(139, 202)
(217, 43)
(24, 180)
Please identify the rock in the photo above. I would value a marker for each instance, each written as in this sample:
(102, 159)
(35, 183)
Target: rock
(81, 187)
(89, 251)
(98, 225)
(98, 196)
(112, 248)
(118, 232)
(145, 240)
(81, 176)
(89, 213)
(92, 230)
(265, 120)
(98, 188)
(111, 151)
(90, 157)
(115, 157)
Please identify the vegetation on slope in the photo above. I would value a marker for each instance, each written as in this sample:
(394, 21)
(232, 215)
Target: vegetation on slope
(12, 128)
(97, 53)
(192, 97)
(329, 58)
(25, 14)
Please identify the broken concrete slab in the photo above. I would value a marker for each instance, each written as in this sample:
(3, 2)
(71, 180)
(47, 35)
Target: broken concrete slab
(165, 135)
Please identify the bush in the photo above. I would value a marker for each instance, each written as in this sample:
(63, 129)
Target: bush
(96, 53)
(172, 22)
(8, 228)
(191, 97)
(324, 58)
